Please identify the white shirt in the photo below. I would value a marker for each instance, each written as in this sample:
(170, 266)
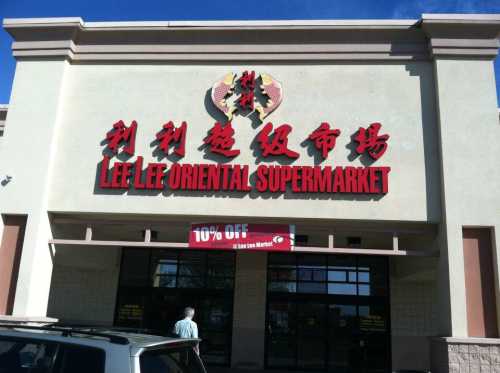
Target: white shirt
(186, 328)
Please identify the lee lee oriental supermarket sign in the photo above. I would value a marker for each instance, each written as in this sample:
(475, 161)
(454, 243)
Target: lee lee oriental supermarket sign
(271, 142)
(259, 237)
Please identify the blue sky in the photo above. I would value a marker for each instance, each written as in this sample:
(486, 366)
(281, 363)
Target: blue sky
(116, 10)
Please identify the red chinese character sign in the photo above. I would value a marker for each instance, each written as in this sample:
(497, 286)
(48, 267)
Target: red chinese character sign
(248, 237)
(324, 138)
(247, 81)
(369, 141)
(237, 95)
(122, 136)
(277, 142)
(221, 140)
(171, 135)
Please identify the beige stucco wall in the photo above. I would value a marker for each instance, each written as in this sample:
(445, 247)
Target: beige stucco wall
(413, 295)
(469, 129)
(84, 285)
(27, 155)
(60, 111)
(400, 96)
(249, 313)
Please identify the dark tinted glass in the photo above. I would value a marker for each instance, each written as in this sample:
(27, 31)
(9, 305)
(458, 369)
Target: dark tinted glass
(220, 265)
(341, 323)
(313, 260)
(168, 360)
(327, 274)
(77, 359)
(373, 271)
(282, 259)
(192, 269)
(26, 356)
(134, 268)
(192, 263)
(201, 279)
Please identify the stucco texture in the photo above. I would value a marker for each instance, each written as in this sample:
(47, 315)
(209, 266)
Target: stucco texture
(399, 95)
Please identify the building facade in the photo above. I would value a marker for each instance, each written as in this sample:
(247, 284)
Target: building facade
(367, 150)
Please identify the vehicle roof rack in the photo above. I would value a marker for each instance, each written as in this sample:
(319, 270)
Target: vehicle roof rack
(117, 329)
(69, 332)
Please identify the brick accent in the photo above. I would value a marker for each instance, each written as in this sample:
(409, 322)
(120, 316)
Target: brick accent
(467, 355)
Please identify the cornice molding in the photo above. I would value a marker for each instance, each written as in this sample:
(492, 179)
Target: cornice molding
(461, 35)
(471, 36)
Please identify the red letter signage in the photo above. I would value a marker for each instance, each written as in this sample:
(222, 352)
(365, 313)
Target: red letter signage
(122, 134)
(258, 237)
(221, 140)
(223, 176)
(370, 141)
(324, 138)
(170, 134)
(276, 144)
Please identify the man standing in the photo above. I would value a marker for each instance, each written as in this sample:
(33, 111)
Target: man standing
(187, 328)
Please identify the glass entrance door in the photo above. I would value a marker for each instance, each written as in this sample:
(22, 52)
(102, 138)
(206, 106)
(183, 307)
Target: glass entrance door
(156, 286)
(327, 313)
(343, 341)
(311, 334)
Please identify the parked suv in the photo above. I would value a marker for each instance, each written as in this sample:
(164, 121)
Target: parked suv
(49, 349)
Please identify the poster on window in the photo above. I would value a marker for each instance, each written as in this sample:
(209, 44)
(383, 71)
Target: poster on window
(235, 236)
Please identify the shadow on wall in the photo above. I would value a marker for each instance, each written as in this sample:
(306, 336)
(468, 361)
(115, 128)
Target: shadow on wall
(430, 132)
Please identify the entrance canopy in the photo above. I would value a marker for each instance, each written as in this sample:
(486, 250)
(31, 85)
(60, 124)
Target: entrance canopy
(335, 237)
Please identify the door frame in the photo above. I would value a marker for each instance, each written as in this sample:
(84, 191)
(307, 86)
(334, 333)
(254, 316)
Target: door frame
(149, 291)
(327, 299)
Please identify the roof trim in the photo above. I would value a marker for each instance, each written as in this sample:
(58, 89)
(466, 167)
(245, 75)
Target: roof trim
(56, 21)
(434, 35)
(462, 17)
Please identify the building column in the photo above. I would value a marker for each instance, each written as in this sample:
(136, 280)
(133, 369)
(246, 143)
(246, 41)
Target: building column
(249, 315)
(463, 49)
(31, 144)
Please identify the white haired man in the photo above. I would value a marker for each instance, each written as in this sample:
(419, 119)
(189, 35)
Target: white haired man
(187, 328)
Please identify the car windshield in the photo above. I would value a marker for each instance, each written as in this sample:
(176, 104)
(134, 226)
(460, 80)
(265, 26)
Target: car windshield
(171, 360)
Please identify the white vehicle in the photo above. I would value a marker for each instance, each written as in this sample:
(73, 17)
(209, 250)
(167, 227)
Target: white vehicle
(33, 349)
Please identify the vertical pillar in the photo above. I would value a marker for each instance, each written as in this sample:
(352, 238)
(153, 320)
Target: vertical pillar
(30, 145)
(463, 48)
(249, 315)
(468, 119)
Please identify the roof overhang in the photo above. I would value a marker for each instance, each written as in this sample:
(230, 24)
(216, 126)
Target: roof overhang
(289, 40)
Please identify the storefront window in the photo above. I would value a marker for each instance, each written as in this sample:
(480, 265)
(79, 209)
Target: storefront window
(134, 268)
(192, 269)
(322, 274)
(156, 285)
(327, 313)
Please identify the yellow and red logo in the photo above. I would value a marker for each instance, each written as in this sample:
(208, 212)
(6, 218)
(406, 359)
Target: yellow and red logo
(233, 95)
